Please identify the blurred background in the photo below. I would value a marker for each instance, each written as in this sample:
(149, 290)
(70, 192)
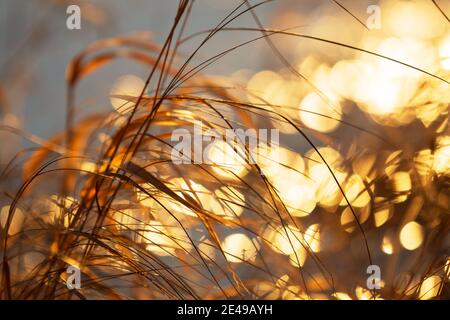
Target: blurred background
(385, 129)
(36, 46)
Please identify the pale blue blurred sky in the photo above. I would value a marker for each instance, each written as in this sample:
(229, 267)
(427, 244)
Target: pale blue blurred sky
(39, 98)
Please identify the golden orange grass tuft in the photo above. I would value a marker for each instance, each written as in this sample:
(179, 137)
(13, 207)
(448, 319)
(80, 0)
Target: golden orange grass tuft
(106, 197)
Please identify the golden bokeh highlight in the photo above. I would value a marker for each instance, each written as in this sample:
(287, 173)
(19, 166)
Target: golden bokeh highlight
(226, 161)
(239, 248)
(129, 87)
(430, 287)
(317, 114)
(411, 235)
